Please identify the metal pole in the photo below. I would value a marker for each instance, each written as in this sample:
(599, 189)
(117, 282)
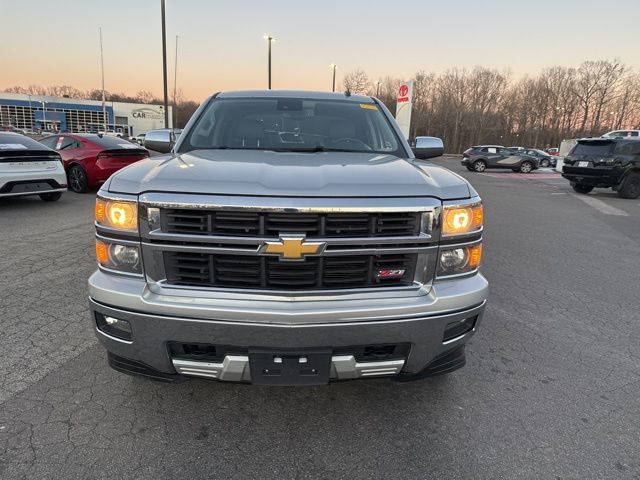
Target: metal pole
(175, 83)
(333, 88)
(104, 108)
(30, 115)
(164, 67)
(44, 114)
(269, 40)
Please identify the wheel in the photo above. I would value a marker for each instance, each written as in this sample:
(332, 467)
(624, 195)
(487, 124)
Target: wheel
(78, 179)
(50, 197)
(479, 166)
(630, 187)
(579, 188)
(526, 167)
(544, 163)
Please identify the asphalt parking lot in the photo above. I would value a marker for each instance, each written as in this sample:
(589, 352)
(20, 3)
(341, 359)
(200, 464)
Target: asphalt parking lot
(551, 388)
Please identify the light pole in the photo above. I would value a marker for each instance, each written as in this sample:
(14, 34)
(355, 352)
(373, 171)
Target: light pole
(269, 40)
(333, 67)
(175, 86)
(30, 115)
(378, 83)
(104, 108)
(164, 67)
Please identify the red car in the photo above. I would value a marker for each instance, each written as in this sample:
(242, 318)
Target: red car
(552, 151)
(90, 159)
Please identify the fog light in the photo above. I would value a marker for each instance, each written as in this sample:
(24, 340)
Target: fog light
(115, 327)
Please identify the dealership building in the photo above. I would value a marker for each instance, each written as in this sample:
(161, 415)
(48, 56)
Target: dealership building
(62, 114)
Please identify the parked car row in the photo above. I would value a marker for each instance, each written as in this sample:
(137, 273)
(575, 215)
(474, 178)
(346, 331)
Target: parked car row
(518, 159)
(78, 161)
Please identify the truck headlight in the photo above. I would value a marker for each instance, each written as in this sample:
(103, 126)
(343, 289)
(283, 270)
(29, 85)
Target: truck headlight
(458, 260)
(119, 214)
(119, 257)
(458, 220)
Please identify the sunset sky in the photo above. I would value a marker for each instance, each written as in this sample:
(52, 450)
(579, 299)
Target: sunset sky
(221, 47)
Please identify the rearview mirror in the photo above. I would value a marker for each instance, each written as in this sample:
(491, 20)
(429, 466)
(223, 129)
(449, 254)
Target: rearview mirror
(428, 147)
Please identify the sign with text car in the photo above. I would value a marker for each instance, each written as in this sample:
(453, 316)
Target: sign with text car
(147, 113)
(404, 103)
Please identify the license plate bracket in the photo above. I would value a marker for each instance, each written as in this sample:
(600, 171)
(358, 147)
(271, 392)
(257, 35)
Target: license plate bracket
(290, 367)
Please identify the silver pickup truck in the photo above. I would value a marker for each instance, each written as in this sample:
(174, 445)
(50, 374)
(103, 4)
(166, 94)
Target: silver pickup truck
(288, 238)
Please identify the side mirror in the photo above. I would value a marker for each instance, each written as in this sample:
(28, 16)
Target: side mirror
(159, 140)
(428, 147)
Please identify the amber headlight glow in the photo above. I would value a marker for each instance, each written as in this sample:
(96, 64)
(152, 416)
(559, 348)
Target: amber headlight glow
(117, 214)
(460, 220)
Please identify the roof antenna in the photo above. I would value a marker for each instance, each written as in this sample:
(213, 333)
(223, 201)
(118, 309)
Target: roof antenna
(347, 93)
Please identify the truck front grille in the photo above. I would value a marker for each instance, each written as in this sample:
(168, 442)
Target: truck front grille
(250, 224)
(251, 271)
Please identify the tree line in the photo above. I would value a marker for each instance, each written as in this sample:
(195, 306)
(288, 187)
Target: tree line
(486, 106)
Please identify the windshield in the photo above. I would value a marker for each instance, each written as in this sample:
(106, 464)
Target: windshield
(293, 124)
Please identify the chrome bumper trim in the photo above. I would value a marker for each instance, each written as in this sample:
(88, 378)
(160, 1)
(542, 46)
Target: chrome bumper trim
(346, 367)
(235, 368)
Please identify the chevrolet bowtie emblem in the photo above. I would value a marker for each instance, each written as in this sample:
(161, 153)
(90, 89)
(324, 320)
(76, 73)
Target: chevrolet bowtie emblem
(292, 247)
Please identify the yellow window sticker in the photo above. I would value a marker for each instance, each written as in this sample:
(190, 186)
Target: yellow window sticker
(368, 106)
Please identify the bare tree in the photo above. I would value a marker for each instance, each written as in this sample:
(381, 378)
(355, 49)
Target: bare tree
(356, 82)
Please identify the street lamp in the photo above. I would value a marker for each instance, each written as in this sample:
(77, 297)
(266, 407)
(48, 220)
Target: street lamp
(269, 40)
(164, 65)
(333, 67)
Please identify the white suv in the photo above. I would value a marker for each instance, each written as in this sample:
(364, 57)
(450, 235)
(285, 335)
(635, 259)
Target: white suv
(622, 134)
(29, 168)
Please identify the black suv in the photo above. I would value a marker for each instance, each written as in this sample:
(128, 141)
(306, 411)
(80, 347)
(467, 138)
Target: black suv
(604, 163)
(481, 157)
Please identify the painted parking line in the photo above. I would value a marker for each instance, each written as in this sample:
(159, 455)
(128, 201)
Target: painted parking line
(601, 206)
(525, 176)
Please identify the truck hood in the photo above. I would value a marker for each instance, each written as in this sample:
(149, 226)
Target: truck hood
(289, 174)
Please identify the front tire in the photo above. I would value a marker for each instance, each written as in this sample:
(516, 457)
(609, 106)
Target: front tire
(580, 188)
(50, 197)
(78, 181)
(630, 187)
(544, 163)
(479, 166)
(526, 167)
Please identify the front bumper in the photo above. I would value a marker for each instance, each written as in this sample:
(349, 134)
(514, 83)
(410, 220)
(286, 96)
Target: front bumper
(156, 320)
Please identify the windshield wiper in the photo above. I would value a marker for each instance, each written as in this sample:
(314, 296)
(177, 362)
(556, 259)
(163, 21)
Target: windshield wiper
(319, 148)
